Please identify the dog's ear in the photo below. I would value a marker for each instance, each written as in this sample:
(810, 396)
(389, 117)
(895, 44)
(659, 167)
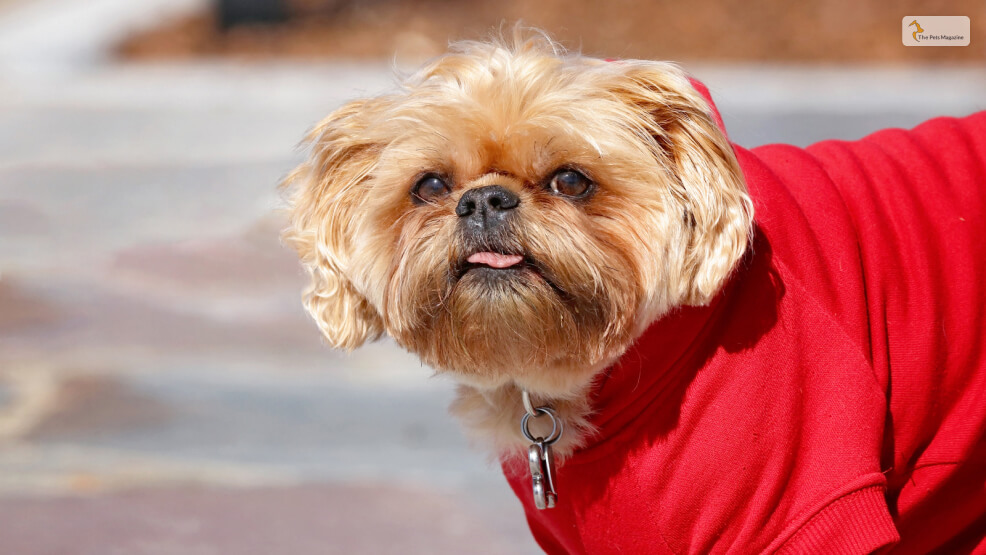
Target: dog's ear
(325, 196)
(706, 178)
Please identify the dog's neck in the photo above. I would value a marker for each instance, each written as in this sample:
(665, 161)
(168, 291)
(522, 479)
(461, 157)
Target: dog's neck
(657, 368)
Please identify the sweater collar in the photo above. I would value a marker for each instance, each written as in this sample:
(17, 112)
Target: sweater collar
(656, 370)
(661, 363)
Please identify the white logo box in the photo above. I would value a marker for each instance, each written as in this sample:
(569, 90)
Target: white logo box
(935, 30)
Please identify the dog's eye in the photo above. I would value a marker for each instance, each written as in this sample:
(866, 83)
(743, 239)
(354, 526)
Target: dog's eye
(429, 189)
(570, 183)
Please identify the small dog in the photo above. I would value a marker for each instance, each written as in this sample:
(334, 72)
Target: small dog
(574, 239)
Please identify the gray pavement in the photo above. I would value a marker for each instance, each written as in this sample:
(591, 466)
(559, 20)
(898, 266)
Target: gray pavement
(161, 390)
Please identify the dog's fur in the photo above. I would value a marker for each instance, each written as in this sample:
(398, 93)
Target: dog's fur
(666, 220)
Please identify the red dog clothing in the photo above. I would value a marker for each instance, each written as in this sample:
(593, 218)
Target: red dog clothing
(832, 399)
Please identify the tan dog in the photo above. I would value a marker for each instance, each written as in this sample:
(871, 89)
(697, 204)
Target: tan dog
(517, 217)
(527, 220)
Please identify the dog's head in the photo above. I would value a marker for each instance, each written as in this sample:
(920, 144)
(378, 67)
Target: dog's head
(516, 213)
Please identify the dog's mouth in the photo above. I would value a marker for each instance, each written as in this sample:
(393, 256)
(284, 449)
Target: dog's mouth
(494, 260)
(493, 264)
(493, 267)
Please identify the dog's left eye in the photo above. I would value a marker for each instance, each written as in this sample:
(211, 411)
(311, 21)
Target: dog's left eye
(570, 183)
(429, 189)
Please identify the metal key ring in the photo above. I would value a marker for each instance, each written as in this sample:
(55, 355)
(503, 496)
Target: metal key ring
(556, 427)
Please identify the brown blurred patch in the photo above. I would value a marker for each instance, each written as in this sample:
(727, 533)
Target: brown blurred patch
(123, 322)
(235, 295)
(220, 266)
(708, 30)
(22, 310)
(302, 519)
(97, 404)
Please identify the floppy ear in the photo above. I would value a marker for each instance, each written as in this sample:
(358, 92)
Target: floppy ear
(716, 210)
(325, 196)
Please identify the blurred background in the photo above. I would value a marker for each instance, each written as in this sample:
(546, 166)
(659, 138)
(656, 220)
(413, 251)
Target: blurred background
(161, 390)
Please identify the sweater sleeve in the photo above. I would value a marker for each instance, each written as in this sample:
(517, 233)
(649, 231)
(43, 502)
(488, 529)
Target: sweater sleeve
(895, 252)
(855, 520)
(917, 199)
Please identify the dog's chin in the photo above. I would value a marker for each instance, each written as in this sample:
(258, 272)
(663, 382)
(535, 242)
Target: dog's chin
(494, 278)
(487, 281)
(513, 325)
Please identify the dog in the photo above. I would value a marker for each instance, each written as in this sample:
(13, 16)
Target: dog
(674, 344)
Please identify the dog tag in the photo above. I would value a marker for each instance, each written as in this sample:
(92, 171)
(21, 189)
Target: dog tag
(539, 457)
(539, 453)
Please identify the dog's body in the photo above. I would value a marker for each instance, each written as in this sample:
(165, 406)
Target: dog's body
(811, 381)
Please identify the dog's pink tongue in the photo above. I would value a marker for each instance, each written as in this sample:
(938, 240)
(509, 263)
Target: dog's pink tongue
(495, 260)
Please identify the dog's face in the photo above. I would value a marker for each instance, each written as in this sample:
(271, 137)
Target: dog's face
(514, 214)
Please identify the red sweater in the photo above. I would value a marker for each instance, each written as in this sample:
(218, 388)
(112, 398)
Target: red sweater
(832, 399)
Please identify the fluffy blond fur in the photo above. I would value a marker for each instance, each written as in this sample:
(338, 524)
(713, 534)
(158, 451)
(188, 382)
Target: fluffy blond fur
(667, 221)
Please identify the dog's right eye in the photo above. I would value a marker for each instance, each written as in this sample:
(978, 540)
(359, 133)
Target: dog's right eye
(570, 183)
(429, 189)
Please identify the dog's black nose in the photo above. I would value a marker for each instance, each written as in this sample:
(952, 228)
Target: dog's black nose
(486, 207)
